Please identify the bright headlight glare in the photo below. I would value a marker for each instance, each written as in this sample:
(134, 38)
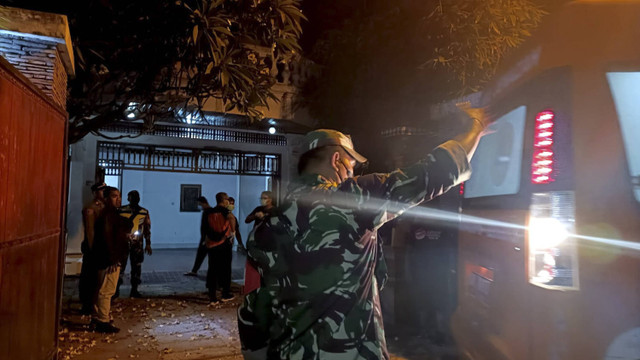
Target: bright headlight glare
(546, 233)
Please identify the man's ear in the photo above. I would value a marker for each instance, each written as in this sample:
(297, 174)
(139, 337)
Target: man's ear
(335, 157)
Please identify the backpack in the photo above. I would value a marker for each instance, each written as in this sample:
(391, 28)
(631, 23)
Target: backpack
(218, 229)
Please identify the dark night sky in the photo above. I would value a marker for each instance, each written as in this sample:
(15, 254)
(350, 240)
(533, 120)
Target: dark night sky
(324, 15)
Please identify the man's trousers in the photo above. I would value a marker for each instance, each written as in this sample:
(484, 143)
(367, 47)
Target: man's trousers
(219, 271)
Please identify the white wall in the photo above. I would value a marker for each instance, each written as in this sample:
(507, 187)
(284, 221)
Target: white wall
(81, 178)
(83, 166)
(160, 194)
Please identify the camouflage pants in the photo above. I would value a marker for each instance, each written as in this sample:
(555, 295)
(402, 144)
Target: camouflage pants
(136, 256)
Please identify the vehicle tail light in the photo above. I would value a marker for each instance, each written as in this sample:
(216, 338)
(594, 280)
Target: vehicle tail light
(543, 156)
(552, 249)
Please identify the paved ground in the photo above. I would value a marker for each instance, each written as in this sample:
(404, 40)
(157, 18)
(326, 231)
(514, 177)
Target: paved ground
(174, 320)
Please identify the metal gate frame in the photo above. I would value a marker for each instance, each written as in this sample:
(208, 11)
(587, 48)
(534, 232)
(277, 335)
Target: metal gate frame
(116, 157)
(112, 158)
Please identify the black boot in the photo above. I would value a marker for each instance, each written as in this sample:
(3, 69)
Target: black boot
(134, 292)
(105, 328)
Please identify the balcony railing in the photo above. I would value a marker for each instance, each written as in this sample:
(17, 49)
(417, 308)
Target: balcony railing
(200, 133)
(116, 157)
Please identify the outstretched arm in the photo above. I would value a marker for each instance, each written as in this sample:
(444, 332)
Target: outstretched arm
(444, 167)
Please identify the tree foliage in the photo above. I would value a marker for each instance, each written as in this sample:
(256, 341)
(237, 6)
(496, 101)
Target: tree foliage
(386, 59)
(153, 59)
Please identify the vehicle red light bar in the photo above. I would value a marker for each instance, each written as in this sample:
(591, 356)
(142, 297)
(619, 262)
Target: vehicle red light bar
(542, 164)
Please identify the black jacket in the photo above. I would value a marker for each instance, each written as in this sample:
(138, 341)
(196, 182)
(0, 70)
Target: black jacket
(111, 245)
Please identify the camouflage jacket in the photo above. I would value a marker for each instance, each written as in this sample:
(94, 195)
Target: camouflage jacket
(322, 263)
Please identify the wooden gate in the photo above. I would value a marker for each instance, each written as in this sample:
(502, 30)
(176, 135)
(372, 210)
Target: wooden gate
(33, 152)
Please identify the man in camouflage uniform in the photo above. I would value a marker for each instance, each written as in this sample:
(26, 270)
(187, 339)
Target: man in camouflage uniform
(321, 262)
(141, 228)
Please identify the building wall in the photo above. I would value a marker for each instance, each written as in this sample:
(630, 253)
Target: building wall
(160, 194)
(82, 176)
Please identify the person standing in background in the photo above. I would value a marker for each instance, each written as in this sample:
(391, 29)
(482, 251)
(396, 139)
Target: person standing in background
(110, 251)
(232, 206)
(218, 240)
(203, 204)
(260, 213)
(141, 229)
(87, 285)
(266, 206)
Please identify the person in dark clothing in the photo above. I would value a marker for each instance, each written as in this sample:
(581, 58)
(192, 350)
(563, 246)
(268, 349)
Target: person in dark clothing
(87, 285)
(262, 212)
(141, 229)
(110, 251)
(218, 239)
(202, 249)
(267, 205)
(232, 206)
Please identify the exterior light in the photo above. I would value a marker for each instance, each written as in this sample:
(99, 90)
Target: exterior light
(542, 164)
(546, 233)
(272, 130)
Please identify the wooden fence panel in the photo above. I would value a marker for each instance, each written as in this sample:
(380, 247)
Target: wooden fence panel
(33, 152)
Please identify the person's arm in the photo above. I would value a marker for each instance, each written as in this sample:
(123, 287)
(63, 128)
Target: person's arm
(239, 236)
(110, 238)
(147, 234)
(395, 192)
(233, 223)
(89, 215)
(469, 140)
(251, 217)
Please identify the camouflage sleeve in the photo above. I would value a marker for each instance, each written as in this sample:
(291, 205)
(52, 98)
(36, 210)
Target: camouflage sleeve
(395, 192)
(381, 271)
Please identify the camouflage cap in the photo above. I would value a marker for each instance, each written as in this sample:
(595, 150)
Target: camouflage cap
(326, 137)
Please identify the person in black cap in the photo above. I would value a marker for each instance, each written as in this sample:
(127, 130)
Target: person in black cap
(203, 204)
(87, 285)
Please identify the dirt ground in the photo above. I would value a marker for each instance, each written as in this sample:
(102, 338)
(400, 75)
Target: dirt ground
(176, 322)
(156, 328)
